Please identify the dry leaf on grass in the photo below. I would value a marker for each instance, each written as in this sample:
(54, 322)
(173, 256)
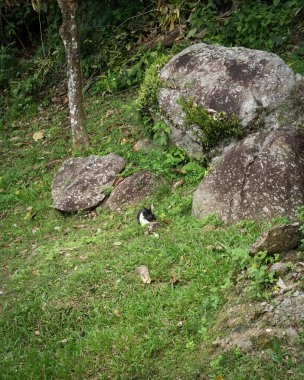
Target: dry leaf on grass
(39, 135)
(174, 280)
(217, 247)
(83, 258)
(29, 215)
(79, 226)
(91, 214)
(143, 271)
(117, 313)
(209, 227)
(179, 171)
(177, 184)
(110, 112)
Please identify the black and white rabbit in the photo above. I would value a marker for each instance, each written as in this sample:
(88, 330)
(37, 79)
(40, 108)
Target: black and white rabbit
(145, 216)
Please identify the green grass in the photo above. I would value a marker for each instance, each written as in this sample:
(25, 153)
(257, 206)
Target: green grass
(73, 306)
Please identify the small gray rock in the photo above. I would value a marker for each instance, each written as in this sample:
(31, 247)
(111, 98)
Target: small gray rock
(296, 294)
(144, 145)
(281, 238)
(279, 268)
(292, 334)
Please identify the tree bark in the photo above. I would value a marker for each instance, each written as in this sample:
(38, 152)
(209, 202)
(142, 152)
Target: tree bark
(69, 32)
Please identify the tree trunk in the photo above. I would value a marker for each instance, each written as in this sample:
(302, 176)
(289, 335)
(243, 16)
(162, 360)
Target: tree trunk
(69, 32)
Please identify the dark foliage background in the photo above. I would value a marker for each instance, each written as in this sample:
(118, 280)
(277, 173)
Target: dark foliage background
(116, 40)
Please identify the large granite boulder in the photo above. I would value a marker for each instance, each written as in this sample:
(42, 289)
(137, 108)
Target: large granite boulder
(133, 190)
(256, 85)
(262, 176)
(81, 181)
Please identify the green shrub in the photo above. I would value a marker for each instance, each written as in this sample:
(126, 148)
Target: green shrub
(259, 25)
(205, 20)
(129, 73)
(256, 270)
(147, 102)
(253, 24)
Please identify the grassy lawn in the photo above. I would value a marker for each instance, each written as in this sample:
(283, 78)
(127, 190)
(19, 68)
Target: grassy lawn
(72, 304)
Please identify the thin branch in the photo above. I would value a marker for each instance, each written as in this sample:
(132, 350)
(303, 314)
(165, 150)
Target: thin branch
(28, 32)
(140, 14)
(40, 29)
(116, 27)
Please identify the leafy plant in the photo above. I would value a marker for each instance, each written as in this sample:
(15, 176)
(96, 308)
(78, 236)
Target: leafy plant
(147, 102)
(205, 21)
(295, 60)
(240, 258)
(175, 156)
(253, 24)
(260, 276)
(256, 269)
(129, 73)
(161, 131)
(195, 171)
(209, 129)
(260, 25)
